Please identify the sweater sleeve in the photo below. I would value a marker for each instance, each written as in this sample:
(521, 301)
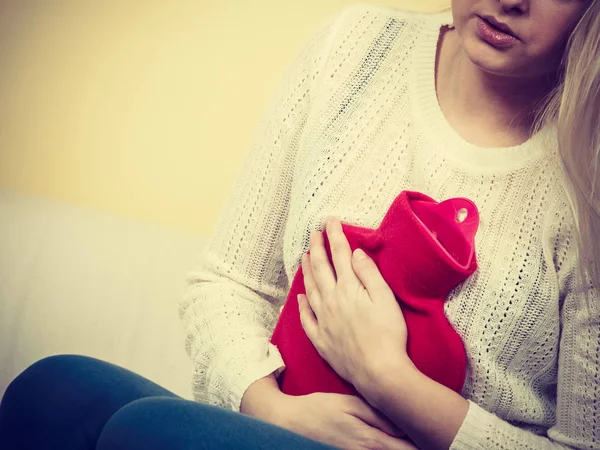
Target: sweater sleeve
(233, 297)
(577, 420)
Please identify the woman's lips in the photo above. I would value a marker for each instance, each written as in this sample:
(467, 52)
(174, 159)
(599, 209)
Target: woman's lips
(494, 36)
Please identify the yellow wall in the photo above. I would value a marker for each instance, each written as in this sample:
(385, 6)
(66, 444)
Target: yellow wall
(126, 106)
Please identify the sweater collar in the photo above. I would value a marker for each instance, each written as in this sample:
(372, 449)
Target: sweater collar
(431, 122)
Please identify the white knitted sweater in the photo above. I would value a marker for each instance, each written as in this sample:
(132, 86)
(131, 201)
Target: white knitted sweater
(354, 122)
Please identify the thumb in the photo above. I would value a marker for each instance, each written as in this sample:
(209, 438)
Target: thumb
(392, 443)
(363, 266)
(371, 416)
(369, 275)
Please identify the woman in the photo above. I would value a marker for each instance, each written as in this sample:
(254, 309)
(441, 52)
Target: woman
(474, 103)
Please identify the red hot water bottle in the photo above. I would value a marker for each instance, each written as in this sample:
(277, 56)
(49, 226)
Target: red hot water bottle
(423, 249)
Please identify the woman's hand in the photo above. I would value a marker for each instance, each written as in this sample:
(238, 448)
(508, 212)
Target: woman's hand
(349, 313)
(343, 421)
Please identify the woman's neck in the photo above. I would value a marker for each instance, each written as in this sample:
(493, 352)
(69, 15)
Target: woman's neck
(486, 109)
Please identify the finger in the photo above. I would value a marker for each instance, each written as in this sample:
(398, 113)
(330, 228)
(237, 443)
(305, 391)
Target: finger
(308, 319)
(341, 253)
(369, 275)
(322, 271)
(313, 293)
(367, 414)
(387, 442)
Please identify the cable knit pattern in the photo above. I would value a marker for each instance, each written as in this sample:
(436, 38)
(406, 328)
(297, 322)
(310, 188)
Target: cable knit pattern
(354, 122)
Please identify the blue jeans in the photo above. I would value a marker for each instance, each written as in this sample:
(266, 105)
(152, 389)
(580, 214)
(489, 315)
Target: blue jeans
(72, 402)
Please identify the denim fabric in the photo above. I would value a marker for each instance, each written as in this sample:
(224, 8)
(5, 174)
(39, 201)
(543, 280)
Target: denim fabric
(73, 402)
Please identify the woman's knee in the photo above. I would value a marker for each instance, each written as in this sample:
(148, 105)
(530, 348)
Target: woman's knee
(69, 398)
(78, 381)
(38, 400)
(41, 381)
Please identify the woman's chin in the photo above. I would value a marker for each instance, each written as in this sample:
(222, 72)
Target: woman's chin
(491, 60)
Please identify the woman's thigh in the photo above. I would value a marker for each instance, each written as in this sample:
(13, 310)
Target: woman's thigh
(64, 401)
(177, 424)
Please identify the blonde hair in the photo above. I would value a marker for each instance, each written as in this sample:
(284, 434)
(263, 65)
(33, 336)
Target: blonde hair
(574, 106)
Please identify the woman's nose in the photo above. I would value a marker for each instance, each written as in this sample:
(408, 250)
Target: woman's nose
(515, 7)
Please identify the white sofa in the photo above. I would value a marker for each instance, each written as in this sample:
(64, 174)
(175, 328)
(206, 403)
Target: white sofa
(76, 280)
